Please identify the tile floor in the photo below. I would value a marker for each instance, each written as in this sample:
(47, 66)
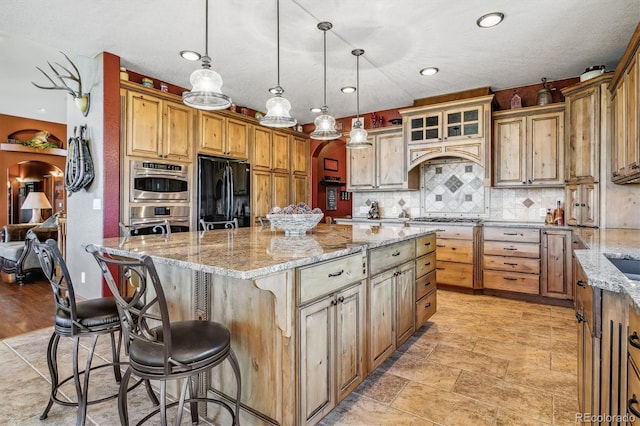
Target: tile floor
(480, 361)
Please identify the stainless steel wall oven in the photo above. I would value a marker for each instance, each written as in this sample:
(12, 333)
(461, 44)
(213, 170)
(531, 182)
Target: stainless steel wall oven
(153, 181)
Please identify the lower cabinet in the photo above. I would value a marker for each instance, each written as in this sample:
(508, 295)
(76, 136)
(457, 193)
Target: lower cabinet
(331, 351)
(633, 364)
(455, 256)
(556, 278)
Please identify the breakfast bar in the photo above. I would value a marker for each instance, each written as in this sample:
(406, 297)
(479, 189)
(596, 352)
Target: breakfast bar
(307, 322)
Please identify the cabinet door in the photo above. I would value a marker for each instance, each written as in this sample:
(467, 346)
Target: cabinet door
(572, 204)
(361, 169)
(391, 160)
(633, 140)
(405, 302)
(144, 125)
(237, 139)
(178, 131)
(316, 377)
(425, 128)
(300, 155)
(350, 311)
(509, 159)
(211, 133)
(300, 185)
(545, 148)
(260, 193)
(589, 203)
(382, 319)
(464, 123)
(261, 148)
(280, 152)
(280, 190)
(556, 264)
(619, 144)
(583, 111)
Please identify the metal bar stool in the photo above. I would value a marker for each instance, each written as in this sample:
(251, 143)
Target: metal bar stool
(76, 319)
(227, 224)
(162, 350)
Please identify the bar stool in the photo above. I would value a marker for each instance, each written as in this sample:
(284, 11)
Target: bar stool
(226, 224)
(89, 318)
(162, 350)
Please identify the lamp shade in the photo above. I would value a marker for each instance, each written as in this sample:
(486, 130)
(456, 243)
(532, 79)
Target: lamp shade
(36, 201)
(207, 91)
(278, 113)
(358, 137)
(325, 127)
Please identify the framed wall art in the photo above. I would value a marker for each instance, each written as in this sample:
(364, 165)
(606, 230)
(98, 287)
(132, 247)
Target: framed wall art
(331, 164)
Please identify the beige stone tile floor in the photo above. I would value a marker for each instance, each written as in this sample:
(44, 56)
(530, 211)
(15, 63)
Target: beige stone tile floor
(481, 360)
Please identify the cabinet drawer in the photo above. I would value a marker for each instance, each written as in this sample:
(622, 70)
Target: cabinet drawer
(500, 248)
(383, 258)
(425, 244)
(514, 264)
(455, 232)
(516, 235)
(425, 264)
(325, 278)
(425, 308)
(452, 273)
(512, 281)
(633, 386)
(425, 284)
(634, 337)
(455, 250)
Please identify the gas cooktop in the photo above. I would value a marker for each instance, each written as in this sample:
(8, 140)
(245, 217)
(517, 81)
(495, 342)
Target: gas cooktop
(447, 219)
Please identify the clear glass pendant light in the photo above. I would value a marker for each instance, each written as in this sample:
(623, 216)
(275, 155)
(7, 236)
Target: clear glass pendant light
(358, 135)
(278, 107)
(325, 123)
(206, 93)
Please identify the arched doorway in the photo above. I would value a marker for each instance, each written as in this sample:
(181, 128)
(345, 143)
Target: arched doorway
(39, 176)
(329, 162)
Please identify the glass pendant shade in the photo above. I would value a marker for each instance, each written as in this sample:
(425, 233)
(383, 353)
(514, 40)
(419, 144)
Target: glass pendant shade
(278, 112)
(325, 127)
(358, 137)
(206, 93)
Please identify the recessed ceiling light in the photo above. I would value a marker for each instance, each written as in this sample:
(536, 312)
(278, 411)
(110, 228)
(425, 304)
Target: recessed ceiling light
(315, 109)
(490, 19)
(348, 89)
(190, 55)
(429, 71)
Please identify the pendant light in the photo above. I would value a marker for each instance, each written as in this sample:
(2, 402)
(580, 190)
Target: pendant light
(207, 84)
(358, 135)
(278, 107)
(325, 124)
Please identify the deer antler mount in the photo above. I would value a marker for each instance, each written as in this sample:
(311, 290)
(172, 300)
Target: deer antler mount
(80, 99)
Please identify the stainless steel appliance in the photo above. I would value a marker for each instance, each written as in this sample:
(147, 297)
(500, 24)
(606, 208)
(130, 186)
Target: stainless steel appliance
(154, 181)
(143, 218)
(223, 190)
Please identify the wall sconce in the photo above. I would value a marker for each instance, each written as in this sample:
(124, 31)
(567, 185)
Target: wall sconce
(80, 99)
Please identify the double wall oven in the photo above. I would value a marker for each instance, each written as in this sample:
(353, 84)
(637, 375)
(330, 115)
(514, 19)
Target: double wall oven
(158, 191)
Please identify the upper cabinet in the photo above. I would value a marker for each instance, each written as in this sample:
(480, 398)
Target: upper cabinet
(529, 146)
(381, 167)
(458, 128)
(624, 88)
(270, 150)
(223, 136)
(157, 127)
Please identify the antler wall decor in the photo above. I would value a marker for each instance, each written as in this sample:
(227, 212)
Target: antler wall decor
(80, 99)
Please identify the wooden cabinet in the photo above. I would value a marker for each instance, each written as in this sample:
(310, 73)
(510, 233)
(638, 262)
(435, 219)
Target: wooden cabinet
(581, 204)
(456, 256)
(529, 146)
(625, 96)
(269, 190)
(270, 150)
(460, 128)
(157, 127)
(511, 259)
(381, 167)
(556, 278)
(300, 155)
(222, 136)
(633, 364)
(425, 297)
(331, 334)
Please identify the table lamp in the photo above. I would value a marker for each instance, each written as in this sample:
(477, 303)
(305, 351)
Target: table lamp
(36, 201)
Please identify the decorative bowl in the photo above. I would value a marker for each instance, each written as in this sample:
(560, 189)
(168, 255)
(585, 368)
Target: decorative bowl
(294, 224)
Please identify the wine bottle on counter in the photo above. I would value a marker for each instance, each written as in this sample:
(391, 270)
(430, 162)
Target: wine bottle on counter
(558, 215)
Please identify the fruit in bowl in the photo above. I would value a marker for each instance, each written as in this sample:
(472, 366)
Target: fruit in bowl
(295, 219)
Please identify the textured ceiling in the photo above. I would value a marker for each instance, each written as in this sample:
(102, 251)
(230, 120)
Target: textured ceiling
(542, 38)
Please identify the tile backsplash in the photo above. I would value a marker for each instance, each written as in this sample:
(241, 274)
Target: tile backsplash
(455, 188)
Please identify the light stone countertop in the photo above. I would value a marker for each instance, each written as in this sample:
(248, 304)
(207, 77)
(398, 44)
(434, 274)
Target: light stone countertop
(617, 243)
(247, 253)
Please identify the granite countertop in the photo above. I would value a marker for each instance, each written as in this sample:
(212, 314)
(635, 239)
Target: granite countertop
(616, 243)
(248, 253)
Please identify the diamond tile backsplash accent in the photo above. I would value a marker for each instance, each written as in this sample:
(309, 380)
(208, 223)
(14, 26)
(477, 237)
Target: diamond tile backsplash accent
(457, 190)
(528, 202)
(453, 183)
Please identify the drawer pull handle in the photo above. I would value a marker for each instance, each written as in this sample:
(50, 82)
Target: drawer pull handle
(510, 264)
(440, 245)
(580, 317)
(510, 279)
(336, 274)
(581, 283)
(427, 244)
(509, 233)
(427, 264)
(428, 305)
(633, 401)
(427, 284)
(395, 254)
(510, 249)
(634, 340)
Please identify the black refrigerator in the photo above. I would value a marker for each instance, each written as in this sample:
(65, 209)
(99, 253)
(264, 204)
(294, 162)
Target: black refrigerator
(223, 190)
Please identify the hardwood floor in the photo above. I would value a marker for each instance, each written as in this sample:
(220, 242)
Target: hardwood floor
(25, 308)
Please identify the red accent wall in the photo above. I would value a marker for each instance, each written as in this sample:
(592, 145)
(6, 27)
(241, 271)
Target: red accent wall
(111, 147)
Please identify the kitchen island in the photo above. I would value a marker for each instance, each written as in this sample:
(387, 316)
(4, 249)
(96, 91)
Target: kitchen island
(307, 325)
